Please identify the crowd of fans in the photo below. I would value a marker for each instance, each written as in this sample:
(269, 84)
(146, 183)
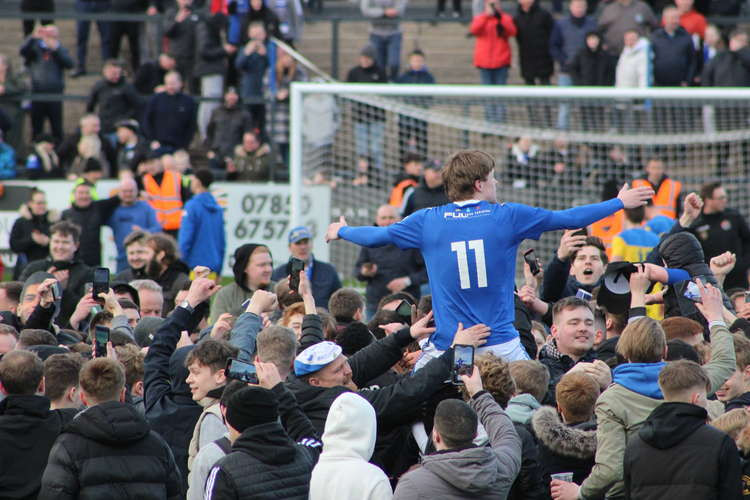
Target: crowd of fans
(627, 349)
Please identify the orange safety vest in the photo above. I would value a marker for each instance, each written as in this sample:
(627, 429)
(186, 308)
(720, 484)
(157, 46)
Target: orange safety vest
(397, 193)
(166, 199)
(607, 228)
(665, 199)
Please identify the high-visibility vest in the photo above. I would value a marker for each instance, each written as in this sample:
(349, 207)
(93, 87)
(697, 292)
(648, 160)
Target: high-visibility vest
(165, 199)
(607, 228)
(665, 199)
(397, 193)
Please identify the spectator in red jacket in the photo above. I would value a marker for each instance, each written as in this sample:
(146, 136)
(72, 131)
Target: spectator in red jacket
(492, 29)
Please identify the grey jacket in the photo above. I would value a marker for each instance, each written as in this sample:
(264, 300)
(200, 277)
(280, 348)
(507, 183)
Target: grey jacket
(484, 473)
(382, 25)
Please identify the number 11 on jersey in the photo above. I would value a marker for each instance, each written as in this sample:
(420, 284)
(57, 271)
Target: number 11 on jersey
(463, 262)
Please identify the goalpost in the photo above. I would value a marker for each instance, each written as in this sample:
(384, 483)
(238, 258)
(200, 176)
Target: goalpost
(575, 142)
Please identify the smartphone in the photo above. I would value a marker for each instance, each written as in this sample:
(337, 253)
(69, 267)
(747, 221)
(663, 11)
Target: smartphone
(747, 297)
(240, 370)
(101, 337)
(101, 283)
(463, 362)
(530, 257)
(581, 232)
(693, 293)
(404, 310)
(56, 292)
(583, 294)
(293, 267)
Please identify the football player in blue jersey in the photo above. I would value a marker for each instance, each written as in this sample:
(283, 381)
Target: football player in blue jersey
(470, 245)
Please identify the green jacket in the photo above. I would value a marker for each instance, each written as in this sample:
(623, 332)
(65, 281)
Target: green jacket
(620, 413)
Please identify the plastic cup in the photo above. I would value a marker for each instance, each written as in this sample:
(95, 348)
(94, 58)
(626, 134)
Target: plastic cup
(563, 476)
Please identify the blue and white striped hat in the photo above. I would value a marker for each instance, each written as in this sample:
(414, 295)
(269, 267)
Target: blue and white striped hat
(315, 357)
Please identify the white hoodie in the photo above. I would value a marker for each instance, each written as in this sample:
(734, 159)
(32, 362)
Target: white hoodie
(343, 471)
(634, 66)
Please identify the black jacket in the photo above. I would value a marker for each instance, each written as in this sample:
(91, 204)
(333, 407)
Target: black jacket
(721, 232)
(91, 219)
(392, 263)
(47, 67)
(109, 451)
(171, 281)
(559, 283)
(269, 461)
(128, 158)
(528, 484)
(170, 119)
(675, 61)
(562, 447)
(728, 69)
(28, 429)
(210, 56)
(533, 33)
(181, 38)
(80, 274)
(676, 454)
(364, 113)
(593, 67)
(170, 409)
(22, 243)
(425, 197)
(116, 101)
(264, 15)
(324, 280)
(607, 349)
(741, 401)
(149, 76)
(558, 365)
(225, 129)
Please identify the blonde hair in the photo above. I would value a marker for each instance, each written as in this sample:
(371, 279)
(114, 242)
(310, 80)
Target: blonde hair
(732, 422)
(642, 341)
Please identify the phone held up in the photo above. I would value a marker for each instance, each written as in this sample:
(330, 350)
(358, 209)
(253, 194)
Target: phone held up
(100, 284)
(101, 337)
(241, 370)
(463, 362)
(293, 268)
(530, 257)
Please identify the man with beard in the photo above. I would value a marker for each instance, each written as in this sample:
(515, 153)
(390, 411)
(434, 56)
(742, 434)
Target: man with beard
(90, 216)
(578, 264)
(138, 254)
(132, 215)
(165, 268)
(62, 264)
(252, 269)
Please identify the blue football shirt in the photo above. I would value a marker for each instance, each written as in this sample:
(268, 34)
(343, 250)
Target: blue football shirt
(470, 249)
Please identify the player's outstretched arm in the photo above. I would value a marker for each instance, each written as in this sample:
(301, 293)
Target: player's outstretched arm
(366, 236)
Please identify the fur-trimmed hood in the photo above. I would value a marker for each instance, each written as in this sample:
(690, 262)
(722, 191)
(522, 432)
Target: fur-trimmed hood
(51, 215)
(561, 439)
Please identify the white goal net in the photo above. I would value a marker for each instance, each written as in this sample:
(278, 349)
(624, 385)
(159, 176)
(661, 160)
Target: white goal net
(555, 147)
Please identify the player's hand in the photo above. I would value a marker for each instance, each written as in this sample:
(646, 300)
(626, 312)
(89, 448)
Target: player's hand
(635, 197)
(570, 243)
(711, 305)
(333, 229)
(420, 330)
(222, 327)
(261, 302)
(475, 335)
(722, 264)
(472, 383)
(268, 374)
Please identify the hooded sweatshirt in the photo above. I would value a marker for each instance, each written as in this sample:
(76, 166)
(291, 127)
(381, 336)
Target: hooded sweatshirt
(202, 239)
(521, 408)
(343, 471)
(642, 378)
(676, 455)
(109, 451)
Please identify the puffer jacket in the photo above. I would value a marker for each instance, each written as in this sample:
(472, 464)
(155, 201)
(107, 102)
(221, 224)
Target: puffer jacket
(170, 409)
(492, 33)
(252, 166)
(485, 472)
(109, 451)
(564, 448)
(682, 250)
(634, 66)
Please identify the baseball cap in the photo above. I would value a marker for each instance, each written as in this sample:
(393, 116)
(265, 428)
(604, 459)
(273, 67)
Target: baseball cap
(299, 233)
(315, 357)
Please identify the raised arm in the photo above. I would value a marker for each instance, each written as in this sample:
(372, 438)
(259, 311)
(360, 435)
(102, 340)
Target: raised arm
(366, 236)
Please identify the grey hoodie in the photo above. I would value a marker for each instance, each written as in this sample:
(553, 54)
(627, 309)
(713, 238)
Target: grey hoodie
(485, 472)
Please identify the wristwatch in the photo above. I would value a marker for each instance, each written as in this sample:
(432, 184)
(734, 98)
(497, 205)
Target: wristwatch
(186, 305)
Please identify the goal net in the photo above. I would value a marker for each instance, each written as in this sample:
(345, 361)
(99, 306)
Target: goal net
(555, 147)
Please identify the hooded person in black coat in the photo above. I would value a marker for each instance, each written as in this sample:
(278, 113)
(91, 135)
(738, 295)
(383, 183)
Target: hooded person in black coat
(28, 428)
(534, 25)
(109, 450)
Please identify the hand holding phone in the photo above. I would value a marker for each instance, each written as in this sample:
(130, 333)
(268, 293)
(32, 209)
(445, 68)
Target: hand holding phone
(463, 362)
(294, 266)
(240, 370)
(530, 257)
(101, 337)
(100, 284)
